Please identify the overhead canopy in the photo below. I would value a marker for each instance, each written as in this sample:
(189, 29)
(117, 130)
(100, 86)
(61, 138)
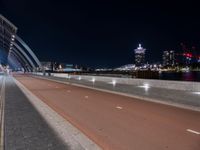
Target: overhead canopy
(15, 47)
(7, 33)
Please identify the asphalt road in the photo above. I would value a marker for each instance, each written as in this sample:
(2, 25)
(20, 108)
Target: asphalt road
(118, 122)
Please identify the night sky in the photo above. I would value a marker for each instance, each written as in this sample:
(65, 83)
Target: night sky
(103, 33)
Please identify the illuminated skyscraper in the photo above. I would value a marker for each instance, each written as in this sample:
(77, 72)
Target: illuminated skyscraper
(140, 56)
(168, 58)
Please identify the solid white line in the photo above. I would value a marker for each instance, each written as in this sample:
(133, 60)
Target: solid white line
(192, 131)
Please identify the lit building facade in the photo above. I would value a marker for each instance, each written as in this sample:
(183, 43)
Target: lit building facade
(140, 56)
(168, 58)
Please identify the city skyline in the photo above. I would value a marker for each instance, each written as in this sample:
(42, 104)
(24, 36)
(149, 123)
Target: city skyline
(99, 34)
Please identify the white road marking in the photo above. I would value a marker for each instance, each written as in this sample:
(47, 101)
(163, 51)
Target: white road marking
(192, 131)
(118, 107)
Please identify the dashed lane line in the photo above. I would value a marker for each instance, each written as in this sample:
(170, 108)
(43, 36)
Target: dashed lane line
(86, 97)
(193, 131)
(119, 107)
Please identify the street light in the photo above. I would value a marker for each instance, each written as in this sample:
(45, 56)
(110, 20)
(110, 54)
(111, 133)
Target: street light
(93, 80)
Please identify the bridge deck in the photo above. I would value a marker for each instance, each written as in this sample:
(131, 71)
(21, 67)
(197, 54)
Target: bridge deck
(119, 122)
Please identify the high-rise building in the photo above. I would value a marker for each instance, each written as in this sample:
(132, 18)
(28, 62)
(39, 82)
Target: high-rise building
(140, 56)
(168, 58)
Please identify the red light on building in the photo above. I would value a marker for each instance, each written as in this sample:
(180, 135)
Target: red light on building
(188, 55)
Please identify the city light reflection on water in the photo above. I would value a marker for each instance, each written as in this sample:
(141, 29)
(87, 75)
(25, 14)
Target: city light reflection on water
(181, 76)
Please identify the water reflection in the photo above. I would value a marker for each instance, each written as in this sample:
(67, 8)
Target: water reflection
(184, 76)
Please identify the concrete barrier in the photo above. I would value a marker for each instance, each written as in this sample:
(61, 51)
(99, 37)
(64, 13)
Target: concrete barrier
(176, 85)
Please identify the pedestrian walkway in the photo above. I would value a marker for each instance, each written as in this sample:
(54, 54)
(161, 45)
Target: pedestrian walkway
(180, 98)
(24, 128)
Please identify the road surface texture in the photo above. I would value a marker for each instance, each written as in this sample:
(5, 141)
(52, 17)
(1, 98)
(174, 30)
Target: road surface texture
(118, 122)
(24, 128)
(180, 98)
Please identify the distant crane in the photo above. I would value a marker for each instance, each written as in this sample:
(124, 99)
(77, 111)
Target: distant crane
(188, 54)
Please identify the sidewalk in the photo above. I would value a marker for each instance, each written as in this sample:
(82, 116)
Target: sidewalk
(24, 127)
(32, 125)
(179, 98)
